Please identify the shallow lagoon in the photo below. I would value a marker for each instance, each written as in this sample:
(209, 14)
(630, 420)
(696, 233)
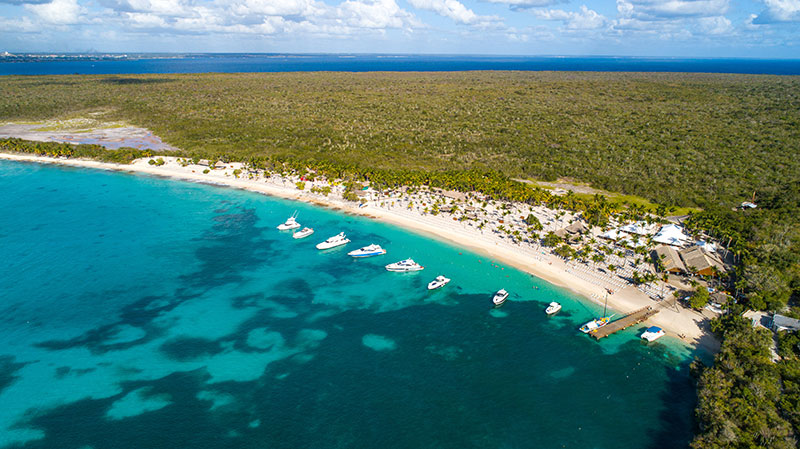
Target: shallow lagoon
(144, 312)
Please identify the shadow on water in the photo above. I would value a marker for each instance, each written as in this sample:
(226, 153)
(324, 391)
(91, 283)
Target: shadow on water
(184, 422)
(8, 370)
(679, 396)
(234, 245)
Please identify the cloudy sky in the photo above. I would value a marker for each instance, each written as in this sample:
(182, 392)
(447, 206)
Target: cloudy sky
(743, 28)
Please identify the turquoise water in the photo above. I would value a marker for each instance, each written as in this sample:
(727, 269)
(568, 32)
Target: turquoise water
(139, 312)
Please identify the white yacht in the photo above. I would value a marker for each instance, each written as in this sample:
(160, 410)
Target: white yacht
(595, 324)
(500, 297)
(439, 282)
(404, 266)
(337, 240)
(303, 233)
(553, 308)
(653, 333)
(368, 251)
(290, 223)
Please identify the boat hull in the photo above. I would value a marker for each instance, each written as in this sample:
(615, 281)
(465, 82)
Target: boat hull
(325, 245)
(361, 256)
(404, 269)
(435, 285)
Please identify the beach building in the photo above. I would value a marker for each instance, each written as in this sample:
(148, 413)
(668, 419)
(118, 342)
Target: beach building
(640, 228)
(700, 262)
(614, 234)
(572, 231)
(672, 234)
(784, 323)
(670, 259)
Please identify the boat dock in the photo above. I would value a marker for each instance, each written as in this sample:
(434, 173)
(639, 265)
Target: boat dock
(635, 317)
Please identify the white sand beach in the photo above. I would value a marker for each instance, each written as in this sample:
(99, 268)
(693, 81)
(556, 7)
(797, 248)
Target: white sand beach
(404, 211)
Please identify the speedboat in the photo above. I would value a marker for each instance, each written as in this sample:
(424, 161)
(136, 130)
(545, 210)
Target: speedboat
(337, 240)
(500, 297)
(404, 266)
(595, 324)
(303, 233)
(290, 223)
(439, 282)
(653, 333)
(553, 308)
(367, 251)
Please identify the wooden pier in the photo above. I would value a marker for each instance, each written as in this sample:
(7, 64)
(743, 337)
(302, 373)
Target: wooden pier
(635, 317)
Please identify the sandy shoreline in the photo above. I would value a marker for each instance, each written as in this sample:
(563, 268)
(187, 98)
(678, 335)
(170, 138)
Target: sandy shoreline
(690, 326)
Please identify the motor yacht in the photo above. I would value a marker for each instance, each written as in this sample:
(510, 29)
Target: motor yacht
(439, 282)
(500, 297)
(367, 251)
(337, 240)
(404, 266)
(289, 224)
(553, 308)
(303, 233)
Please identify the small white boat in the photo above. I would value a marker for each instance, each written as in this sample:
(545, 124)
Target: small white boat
(653, 333)
(439, 282)
(337, 240)
(553, 308)
(367, 251)
(303, 233)
(289, 224)
(595, 324)
(500, 297)
(404, 266)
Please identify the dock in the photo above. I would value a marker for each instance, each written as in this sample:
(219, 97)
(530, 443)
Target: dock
(635, 317)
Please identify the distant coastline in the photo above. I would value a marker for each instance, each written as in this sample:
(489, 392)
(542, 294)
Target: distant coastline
(140, 63)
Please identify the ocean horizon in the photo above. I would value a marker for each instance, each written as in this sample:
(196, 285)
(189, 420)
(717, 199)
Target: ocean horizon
(155, 313)
(145, 63)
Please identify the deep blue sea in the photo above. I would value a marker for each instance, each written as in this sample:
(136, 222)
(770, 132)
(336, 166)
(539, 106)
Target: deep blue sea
(230, 63)
(140, 312)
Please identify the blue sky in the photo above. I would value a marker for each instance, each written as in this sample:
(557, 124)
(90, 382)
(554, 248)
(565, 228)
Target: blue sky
(715, 28)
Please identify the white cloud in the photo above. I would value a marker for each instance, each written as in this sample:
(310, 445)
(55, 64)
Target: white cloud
(715, 25)
(375, 14)
(277, 7)
(452, 9)
(651, 10)
(778, 11)
(58, 12)
(584, 19)
(22, 25)
(526, 3)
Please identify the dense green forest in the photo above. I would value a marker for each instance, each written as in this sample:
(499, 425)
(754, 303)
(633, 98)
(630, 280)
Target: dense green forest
(746, 400)
(676, 139)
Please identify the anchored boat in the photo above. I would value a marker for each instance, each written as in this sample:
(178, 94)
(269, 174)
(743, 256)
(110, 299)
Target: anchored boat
(439, 282)
(303, 233)
(290, 223)
(553, 308)
(337, 240)
(404, 266)
(500, 297)
(367, 251)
